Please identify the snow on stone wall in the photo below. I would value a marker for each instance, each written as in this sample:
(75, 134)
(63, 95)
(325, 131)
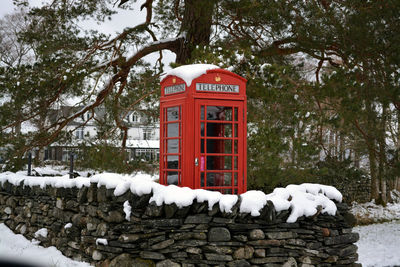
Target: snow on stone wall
(137, 221)
(302, 200)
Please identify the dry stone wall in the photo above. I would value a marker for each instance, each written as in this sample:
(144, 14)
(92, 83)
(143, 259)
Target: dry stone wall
(78, 219)
(359, 190)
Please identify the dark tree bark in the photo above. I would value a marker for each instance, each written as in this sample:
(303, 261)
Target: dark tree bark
(196, 25)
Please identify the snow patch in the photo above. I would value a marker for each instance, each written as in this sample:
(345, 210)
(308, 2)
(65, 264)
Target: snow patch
(189, 72)
(19, 250)
(127, 210)
(101, 241)
(121, 188)
(369, 212)
(41, 233)
(68, 225)
(303, 200)
(211, 197)
(252, 202)
(226, 203)
(379, 244)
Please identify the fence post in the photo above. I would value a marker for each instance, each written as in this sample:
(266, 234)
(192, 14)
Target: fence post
(29, 163)
(71, 165)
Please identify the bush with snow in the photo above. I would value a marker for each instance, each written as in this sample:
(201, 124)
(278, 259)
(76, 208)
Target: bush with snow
(369, 212)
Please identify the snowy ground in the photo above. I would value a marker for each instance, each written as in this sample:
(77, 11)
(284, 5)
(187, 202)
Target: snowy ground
(17, 249)
(367, 213)
(379, 244)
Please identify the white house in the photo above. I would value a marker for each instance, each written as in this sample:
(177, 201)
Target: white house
(143, 133)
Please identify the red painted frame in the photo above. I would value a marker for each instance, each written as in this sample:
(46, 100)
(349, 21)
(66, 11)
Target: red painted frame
(190, 101)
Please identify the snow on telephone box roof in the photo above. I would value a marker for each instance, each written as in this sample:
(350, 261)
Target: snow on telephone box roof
(189, 72)
(302, 200)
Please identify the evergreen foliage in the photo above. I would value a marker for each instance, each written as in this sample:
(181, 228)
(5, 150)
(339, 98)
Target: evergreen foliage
(323, 76)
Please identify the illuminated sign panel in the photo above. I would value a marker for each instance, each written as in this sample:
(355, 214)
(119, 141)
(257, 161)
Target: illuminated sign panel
(221, 88)
(174, 89)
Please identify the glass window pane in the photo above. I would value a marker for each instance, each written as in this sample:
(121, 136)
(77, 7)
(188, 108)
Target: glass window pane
(219, 113)
(236, 130)
(172, 178)
(235, 178)
(202, 129)
(235, 159)
(228, 113)
(235, 147)
(219, 179)
(227, 178)
(219, 146)
(236, 114)
(219, 129)
(172, 129)
(227, 191)
(173, 146)
(202, 146)
(202, 113)
(219, 163)
(173, 114)
(202, 179)
(173, 162)
(214, 179)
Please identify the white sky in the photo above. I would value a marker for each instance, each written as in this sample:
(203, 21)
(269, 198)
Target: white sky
(121, 20)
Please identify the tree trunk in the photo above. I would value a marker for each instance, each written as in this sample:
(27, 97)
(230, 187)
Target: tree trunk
(336, 145)
(382, 157)
(397, 184)
(370, 141)
(373, 173)
(356, 159)
(397, 179)
(293, 152)
(39, 159)
(196, 25)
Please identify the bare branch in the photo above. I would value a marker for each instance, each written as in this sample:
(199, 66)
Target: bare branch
(176, 10)
(119, 77)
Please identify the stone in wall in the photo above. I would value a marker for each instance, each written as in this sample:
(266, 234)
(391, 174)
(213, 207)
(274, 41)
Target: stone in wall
(168, 236)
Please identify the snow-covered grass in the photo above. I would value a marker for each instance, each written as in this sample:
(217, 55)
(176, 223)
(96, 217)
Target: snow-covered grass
(379, 244)
(367, 213)
(55, 170)
(17, 249)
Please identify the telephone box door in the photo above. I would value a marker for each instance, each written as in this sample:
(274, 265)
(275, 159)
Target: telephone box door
(219, 145)
(171, 143)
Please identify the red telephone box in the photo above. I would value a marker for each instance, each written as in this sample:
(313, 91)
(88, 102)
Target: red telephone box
(203, 130)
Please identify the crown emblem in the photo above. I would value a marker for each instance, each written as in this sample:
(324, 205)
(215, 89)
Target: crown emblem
(217, 78)
(174, 80)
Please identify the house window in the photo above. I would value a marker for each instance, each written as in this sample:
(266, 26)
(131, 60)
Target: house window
(65, 154)
(135, 117)
(147, 134)
(79, 133)
(147, 154)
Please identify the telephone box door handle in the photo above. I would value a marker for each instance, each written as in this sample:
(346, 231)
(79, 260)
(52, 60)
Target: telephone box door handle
(196, 162)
